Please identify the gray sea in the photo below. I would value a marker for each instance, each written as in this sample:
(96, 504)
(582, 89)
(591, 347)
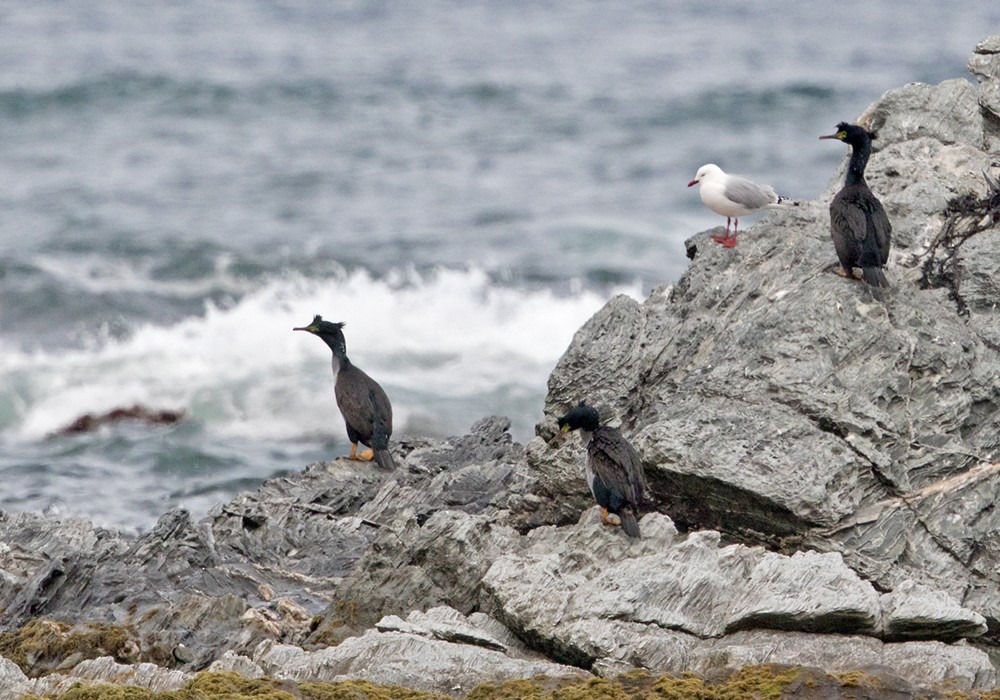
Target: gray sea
(463, 182)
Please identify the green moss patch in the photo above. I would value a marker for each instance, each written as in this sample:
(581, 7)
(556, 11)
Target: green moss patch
(42, 646)
(751, 683)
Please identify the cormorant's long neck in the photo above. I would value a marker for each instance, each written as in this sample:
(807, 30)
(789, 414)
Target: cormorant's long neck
(339, 349)
(860, 152)
(340, 363)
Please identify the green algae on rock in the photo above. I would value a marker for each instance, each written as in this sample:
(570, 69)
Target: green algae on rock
(43, 646)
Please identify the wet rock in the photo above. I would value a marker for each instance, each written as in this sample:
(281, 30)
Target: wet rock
(90, 422)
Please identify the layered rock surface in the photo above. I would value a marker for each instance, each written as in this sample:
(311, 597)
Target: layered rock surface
(823, 460)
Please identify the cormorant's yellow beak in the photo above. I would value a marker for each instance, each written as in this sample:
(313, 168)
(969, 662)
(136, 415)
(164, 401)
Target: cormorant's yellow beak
(308, 329)
(840, 136)
(564, 429)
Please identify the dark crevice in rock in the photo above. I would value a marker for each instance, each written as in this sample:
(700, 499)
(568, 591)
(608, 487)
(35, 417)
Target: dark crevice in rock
(704, 503)
(832, 623)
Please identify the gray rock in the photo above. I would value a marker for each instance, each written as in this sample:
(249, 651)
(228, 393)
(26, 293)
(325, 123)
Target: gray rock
(790, 594)
(106, 670)
(13, 683)
(236, 663)
(416, 567)
(587, 595)
(985, 66)
(785, 406)
(947, 113)
(928, 664)
(410, 660)
(261, 565)
(444, 623)
(914, 611)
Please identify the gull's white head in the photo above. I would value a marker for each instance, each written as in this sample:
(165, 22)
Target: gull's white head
(709, 171)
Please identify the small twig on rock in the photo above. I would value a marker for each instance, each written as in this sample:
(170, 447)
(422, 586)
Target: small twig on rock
(965, 216)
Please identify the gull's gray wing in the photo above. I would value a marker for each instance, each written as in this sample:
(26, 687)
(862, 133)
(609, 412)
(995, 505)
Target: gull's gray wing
(749, 193)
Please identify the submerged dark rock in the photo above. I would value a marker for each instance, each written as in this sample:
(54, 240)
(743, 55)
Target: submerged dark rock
(823, 464)
(89, 422)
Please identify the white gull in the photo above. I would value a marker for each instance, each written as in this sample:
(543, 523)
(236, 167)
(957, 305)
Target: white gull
(733, 196)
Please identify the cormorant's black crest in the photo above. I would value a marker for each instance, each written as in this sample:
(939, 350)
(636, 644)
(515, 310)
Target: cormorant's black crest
(852, 133)
(580, 416)
(330, 333)
(320, 327)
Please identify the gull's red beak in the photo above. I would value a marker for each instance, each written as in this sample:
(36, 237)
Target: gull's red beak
(692, 183)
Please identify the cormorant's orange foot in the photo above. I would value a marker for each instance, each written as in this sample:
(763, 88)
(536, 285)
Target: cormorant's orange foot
(609, 519)
(366, 455)
(852, 275)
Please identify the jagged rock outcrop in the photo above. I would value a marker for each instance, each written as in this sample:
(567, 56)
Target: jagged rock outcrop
(824, 461)
(788, 407)
(672, 603)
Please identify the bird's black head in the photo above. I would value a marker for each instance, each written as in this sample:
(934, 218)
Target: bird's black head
(331, 333)
(852, 134)
(580, 416)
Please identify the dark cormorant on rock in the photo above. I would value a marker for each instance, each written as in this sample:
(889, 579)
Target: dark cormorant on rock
(364, 405)
(859, 226)
(614, 470)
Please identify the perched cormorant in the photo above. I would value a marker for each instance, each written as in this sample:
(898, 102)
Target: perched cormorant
(733, 196)
(859, 226)
(614, 470)
(364, 405)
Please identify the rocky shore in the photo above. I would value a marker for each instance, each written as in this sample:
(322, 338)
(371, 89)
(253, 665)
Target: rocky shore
(823, 467)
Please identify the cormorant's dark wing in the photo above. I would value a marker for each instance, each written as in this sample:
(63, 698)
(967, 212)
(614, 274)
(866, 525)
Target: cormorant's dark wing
(616, 463)
(365, 406)
(848, 227)
(882, 229)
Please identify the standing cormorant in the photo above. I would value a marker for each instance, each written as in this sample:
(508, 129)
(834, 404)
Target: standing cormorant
(614, 470)
(733, 196)
(364, 405)
(859, 226)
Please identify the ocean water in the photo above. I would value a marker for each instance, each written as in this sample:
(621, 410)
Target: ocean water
(462, 182)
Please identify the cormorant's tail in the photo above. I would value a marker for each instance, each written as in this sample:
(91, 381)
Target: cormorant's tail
(870, 262)
(385, 460)
(874, 276)
(380, 427)
(630, 523)
(380, 444)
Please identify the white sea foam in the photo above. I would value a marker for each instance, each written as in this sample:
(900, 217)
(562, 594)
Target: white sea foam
(449, 336)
